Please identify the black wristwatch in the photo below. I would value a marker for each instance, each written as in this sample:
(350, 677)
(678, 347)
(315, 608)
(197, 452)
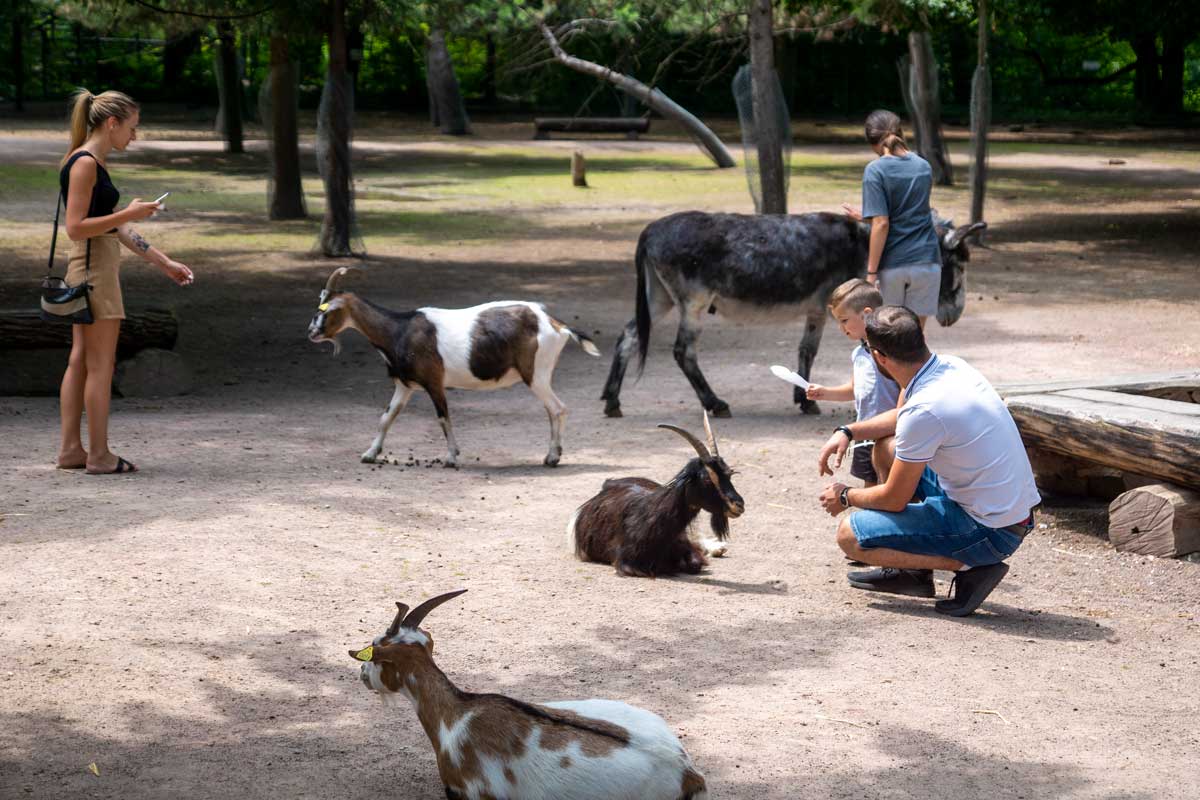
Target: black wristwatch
(846, 430)
(844, 496)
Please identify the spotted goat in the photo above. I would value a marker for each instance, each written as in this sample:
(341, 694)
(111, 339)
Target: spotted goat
(485, 347)
(492, 746)
(641, 527)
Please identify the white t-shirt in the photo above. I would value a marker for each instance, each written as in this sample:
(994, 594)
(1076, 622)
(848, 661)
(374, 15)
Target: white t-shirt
(874, 392)
(953, 419)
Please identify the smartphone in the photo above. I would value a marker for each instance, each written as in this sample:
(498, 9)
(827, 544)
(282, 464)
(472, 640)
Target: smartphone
(164, 197)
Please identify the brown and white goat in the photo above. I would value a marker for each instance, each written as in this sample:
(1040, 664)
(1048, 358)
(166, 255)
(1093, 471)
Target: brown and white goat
(492, 746)
(489, 346)
(641, 527)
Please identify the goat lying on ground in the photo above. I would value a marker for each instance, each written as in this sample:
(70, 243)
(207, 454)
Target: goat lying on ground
(641, 527)
(490, 346)
(491, 746)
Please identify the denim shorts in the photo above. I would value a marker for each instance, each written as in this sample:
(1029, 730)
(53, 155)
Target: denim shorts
(914, 286)
(934, 526)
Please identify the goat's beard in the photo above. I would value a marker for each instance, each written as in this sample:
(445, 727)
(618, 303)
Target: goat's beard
(720, 525)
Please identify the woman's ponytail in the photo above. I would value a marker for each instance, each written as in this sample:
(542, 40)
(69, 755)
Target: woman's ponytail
(883, 129)
(90, 110)
(81, 110)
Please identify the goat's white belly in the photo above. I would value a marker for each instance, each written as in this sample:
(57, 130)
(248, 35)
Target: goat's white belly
(460, 377)
(743, 311)
(650, 767)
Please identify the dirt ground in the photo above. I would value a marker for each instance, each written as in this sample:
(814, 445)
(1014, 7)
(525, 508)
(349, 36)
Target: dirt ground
(185, 629)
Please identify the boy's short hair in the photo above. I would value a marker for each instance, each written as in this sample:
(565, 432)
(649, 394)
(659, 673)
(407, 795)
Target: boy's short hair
(896, 332)
(855, 294)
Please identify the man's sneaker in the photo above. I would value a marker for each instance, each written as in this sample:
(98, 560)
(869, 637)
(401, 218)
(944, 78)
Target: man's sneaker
(971, 587)
(911, 582)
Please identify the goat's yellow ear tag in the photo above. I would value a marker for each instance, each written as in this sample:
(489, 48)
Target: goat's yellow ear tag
(323, 307)
(366, 653)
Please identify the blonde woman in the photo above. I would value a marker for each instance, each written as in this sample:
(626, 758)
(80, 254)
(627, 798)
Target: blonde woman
(904, 259)
(99, 124)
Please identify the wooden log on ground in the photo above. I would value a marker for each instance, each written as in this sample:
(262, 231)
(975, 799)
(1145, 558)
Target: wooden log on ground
(1182, 386)
(24, 329)
(1156, 520)
(1142, 435)
(578, 169)
(631, 126)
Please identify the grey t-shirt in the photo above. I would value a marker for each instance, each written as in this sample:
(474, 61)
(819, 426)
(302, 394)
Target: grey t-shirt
(898, 187)
(874, 392)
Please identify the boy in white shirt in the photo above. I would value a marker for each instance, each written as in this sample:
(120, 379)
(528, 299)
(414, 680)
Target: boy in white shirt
(872, 392)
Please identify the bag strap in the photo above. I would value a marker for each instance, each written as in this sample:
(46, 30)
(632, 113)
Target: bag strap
(54, 238)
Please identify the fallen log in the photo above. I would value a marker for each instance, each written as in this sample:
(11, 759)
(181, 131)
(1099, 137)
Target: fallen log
(1156, 520)
(24, 329)
(1142, 435)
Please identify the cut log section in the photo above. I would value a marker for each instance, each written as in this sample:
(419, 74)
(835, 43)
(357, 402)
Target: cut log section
(24, 329)
(1131, 433)
(630, 126)
(1156, 520)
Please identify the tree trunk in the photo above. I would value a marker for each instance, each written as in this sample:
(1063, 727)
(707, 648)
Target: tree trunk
(231, 90)
(18, 54)
(1170, 87)
(1160, 520)
(981, 118)
(766, 108)
(1145, 80)
(489, 71)
(917, 137)
(652, 98)
(287, 193)
(175, 54)
(445, 101)
(927, 105)
(333, 147)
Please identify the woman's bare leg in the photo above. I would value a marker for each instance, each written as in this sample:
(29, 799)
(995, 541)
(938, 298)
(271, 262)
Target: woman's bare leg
(100, 354)
(70, 400)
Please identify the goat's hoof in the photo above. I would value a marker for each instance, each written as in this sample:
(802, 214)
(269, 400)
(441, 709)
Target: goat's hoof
(450, 463)
(613, 411)
(369, 457)
(720, 410)
(551, 461)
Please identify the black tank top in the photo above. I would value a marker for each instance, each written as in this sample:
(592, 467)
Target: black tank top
(104, 194)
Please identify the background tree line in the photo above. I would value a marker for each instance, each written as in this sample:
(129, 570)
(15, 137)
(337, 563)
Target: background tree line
(1113, 58)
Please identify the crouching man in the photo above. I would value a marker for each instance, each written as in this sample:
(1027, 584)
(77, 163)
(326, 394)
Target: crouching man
(960, 493)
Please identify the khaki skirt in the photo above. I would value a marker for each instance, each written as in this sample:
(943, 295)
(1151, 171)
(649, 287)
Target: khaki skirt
(103, 273)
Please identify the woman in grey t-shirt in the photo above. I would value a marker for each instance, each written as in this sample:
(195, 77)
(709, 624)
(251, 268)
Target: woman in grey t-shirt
(904, 259)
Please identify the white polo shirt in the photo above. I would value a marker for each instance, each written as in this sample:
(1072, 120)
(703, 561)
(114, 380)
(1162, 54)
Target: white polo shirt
(953, 420)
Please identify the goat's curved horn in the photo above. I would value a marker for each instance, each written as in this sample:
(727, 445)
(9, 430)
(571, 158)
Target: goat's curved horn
(701, 450)
(394, 628)
(417, 615)
(331, 285)
(955, 237)
(712, 439)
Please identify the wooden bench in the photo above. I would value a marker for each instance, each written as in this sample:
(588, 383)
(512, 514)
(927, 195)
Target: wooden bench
(630, 126)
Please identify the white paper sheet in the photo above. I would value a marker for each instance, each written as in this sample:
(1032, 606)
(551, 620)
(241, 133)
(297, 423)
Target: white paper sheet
(783, 373)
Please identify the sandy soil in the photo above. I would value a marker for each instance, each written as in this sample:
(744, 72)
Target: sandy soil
(185, 629)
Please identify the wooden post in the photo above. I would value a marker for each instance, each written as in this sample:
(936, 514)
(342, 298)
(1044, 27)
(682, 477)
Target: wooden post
(578, 169)
(1156, 520)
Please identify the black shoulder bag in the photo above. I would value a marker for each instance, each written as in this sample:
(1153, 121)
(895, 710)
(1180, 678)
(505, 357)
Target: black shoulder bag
(60, 302)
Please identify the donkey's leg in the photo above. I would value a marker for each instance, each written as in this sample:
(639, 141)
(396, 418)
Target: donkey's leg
(685, 355)
(627, 347)
(814, 325)
(400, 399)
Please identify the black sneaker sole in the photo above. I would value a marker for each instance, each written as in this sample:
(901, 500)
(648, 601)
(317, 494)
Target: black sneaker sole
(907, 591)
(979, 593)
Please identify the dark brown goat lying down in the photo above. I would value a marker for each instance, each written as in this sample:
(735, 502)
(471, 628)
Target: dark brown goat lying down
(641, 527)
